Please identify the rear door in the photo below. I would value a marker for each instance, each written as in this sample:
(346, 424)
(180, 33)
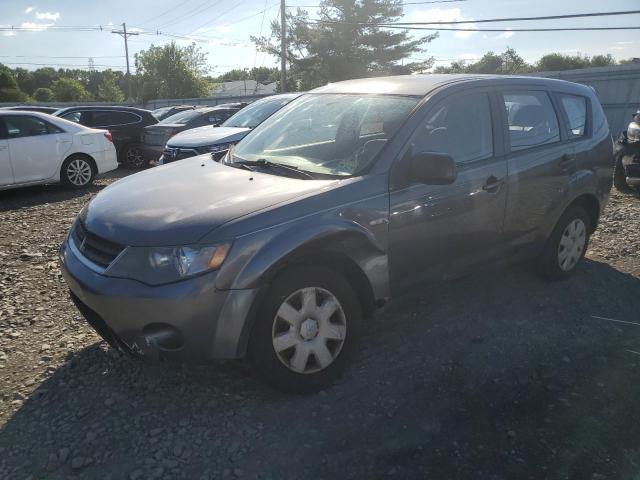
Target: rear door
(540, 161)
(6, 172)
(434, 229)
(125, 127)
(36, 147)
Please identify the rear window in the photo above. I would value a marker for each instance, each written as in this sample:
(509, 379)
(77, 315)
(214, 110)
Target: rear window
(532, 119)
(576, 109)
(182, 117)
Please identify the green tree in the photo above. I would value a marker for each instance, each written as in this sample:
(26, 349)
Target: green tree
(70, 90)
(259, 74)
(346, 43)
(44, 95)
(9, 90)
(171, 71)
(108, 90)
(505, 63)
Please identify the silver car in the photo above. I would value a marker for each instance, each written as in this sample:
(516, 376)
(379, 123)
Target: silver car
(282, 252)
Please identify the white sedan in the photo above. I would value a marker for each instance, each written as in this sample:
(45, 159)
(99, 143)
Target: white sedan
(39, 148)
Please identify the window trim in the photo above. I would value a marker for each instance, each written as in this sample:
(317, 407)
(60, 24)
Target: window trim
(505, 119)
(588, 130)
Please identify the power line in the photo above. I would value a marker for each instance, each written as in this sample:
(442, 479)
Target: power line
(222, 14)
(402, 3)
(519, 19)
(201, 8)
(62, 64)
(53, 56)
(165, 12)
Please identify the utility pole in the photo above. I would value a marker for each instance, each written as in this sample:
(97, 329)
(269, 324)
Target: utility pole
(283, 47)
(124, 34)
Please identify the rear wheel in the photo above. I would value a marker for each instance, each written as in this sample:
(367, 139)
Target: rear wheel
(305, 330)
(77, 172)
(132, 156)
(567, 244)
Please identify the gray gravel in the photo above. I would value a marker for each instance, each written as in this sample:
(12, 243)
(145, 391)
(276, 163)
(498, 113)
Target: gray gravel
(494, 376)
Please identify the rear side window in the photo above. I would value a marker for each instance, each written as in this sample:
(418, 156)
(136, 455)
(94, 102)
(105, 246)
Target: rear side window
(24, 126)
(576, 109)
(108, 118)
(460, 127)
(532, 119)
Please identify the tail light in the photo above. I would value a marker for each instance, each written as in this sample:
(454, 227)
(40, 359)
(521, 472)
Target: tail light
(108, 136)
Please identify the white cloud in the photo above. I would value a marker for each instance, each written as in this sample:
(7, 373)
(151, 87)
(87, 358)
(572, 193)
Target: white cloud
(506, 34)
(445, 15)
(29, 9)
(48, 16)
(36, 27)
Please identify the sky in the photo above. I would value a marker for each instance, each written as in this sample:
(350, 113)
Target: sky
(228, 24)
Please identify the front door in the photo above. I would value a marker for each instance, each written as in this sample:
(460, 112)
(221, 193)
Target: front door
(36, 148)
(435, 228)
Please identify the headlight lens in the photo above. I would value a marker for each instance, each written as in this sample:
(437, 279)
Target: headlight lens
(159, 265)
(220, 147)
(633, 133)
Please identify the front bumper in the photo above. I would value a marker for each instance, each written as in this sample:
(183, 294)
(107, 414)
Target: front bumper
(631, 164)
(188, 320)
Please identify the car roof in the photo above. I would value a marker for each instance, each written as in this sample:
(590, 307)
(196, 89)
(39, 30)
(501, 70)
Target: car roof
(103, 107)
(28, 112)
(422, 84)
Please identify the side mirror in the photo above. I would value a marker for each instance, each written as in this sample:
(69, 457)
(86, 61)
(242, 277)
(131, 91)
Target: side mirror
(433, 168)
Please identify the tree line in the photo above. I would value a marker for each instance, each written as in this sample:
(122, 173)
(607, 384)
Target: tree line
(346, 43)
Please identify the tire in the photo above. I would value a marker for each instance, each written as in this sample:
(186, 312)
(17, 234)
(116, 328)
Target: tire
(132, 157)
(619, 175)
(565, 243)
(77, 171)
(314, 345)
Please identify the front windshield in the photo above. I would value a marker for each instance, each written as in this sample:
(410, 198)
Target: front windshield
(182, 117)
(256, 113)
(330, 134)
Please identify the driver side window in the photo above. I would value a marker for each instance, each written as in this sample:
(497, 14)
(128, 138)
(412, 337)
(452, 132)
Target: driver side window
(460, 127)
(532, 119)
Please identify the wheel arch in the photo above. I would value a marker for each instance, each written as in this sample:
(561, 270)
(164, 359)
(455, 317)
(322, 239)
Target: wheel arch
(85, 155)
(591, 205)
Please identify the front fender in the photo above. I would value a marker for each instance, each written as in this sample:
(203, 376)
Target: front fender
(257, 257)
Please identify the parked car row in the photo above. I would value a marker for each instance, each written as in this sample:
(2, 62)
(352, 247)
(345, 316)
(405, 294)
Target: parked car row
(281, 251)
(40, 148)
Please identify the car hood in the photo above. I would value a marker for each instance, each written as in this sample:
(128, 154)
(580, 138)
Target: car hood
(179, 203)
(201, 136)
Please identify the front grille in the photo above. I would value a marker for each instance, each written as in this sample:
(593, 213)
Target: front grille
(172, 154)
(96, 249)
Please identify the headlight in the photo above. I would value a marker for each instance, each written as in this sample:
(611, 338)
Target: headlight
(159, 265)
(220, 147)
(633, 133)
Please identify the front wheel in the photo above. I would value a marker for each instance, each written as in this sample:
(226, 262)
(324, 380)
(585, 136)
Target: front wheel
(132, 156)
(567, 244)
(77, 172)
(305, 330)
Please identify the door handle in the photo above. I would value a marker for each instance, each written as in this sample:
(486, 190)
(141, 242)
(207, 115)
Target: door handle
(566, 161)
(492, 184)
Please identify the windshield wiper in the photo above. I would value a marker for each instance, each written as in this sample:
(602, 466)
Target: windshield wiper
(274, 165)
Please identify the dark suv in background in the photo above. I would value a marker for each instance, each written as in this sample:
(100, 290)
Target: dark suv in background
(155, 137)
(124, 123)
(165, 112)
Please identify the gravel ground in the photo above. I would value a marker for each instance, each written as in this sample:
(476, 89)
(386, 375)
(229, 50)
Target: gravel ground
(494, 376)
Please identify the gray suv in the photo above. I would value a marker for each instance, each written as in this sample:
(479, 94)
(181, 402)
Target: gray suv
(283, 251)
